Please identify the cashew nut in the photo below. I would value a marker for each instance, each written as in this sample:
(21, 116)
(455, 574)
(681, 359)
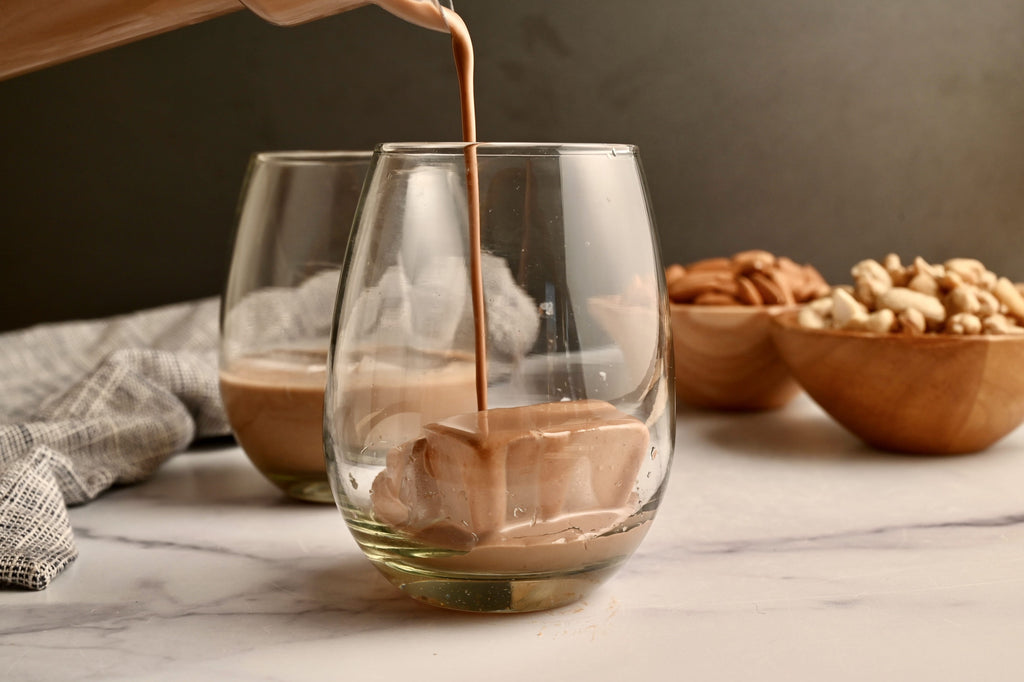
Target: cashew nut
(847, 310)
(870, 281)
(925, 283)
(912, 321)
(900, 298)
(963, 299)
(810, 318)
(881, 321)
(963, 323)
(1008, 294)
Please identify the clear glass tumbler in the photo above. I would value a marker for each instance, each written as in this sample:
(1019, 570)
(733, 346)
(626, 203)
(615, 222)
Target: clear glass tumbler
(295, 218)
(527, 492)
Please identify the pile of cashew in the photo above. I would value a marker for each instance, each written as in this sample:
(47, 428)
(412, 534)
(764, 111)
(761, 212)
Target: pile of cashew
(960, 296)
(753, 277)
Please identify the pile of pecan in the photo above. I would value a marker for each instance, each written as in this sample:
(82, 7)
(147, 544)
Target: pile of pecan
(960, 296)
(753, 277)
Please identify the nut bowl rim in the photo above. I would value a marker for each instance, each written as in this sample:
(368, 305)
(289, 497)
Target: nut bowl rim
(719, 309)
(787, 320)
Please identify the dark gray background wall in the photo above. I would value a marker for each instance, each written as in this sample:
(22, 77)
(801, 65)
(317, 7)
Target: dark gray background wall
(823, 129)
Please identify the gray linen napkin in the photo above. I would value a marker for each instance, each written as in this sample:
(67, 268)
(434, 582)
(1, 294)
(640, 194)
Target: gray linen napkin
(88, 405)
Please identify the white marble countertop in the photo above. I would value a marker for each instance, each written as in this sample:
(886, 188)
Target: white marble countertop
(784, 550)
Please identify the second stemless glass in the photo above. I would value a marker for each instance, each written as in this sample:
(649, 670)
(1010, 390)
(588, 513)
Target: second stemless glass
(532, 502)
(295, 217)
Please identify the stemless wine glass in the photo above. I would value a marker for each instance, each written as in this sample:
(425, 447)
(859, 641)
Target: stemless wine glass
(532, 502)
(294, 222)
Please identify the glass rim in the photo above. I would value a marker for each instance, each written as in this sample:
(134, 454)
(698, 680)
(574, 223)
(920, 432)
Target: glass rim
(506, 148)
(312, 156)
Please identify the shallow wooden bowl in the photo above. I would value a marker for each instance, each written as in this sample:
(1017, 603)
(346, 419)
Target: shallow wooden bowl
(725, 358)
(927, 394)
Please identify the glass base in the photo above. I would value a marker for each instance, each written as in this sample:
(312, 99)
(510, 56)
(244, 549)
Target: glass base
(497, 579)
(496, 594)
(305, 487)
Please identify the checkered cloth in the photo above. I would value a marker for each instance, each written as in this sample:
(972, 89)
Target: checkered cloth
(88, 405)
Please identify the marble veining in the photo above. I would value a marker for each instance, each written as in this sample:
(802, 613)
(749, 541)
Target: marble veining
(873, 537)
(784, 549)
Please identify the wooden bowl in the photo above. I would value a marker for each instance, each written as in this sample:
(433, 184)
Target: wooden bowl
(725, 358)
(925, 394)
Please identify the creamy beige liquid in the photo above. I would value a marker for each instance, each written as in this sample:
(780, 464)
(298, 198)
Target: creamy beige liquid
(275, 405)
